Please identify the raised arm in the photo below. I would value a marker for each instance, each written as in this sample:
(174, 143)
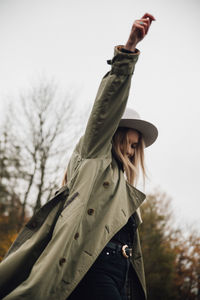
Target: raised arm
(113, 93)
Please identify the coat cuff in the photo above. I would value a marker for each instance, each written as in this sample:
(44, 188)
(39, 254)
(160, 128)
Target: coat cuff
(123, 63)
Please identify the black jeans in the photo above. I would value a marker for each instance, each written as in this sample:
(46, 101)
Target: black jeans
(105, 280)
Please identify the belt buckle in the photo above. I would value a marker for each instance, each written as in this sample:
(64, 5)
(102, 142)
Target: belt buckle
(124, 247)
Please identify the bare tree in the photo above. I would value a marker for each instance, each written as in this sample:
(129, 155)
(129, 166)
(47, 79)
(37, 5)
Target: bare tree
(10, 169)
(45, 131)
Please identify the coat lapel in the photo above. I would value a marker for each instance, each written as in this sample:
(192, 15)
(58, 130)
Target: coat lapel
(136, 198)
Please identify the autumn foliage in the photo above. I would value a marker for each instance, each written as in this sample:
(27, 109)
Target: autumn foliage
(8, 235)
(171, 255)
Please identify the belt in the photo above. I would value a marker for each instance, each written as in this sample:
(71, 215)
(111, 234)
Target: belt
(124, 249)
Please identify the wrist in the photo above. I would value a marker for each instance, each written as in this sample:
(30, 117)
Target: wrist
(130, 46)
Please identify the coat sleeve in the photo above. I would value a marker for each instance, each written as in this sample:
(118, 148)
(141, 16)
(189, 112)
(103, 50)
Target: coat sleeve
(109, 105)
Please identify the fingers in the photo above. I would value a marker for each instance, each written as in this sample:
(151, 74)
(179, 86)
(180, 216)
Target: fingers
(145, 22)
(140, 28)
(151, 17)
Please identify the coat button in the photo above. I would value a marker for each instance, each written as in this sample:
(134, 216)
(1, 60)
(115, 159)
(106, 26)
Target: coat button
(90, 211)
(62, 261)
(106, 184)
(76, 236)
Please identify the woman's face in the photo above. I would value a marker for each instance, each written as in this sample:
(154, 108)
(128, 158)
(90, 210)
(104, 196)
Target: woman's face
(133, 140)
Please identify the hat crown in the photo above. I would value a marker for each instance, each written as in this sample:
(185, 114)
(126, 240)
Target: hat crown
(131, 114)
(131, 119)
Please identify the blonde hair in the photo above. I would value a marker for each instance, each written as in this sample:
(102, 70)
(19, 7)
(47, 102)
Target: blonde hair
(64, 180)
(131, 168)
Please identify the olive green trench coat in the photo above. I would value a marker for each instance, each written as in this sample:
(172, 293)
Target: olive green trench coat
(61, 242)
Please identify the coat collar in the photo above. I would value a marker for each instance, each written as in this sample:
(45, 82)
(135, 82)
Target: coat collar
(64, 189)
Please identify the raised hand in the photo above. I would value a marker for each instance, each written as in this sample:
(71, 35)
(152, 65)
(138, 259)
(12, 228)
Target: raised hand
(138, 31)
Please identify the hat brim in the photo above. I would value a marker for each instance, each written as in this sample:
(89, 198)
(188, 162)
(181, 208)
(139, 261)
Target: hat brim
(147, 129)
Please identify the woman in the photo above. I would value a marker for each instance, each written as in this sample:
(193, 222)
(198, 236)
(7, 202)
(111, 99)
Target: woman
(84, 243)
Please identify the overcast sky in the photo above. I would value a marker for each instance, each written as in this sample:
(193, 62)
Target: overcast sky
(71, 41)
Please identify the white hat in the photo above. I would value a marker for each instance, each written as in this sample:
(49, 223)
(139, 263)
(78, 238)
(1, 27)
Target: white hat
(131, 119)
